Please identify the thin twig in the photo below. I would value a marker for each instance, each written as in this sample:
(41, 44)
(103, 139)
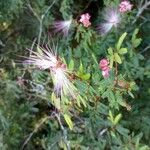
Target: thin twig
(116, 71)
(34, 13)
(64, 132)
(141, 9)
(52, 145)
(103, 132)
(32, 46)
(40, 19)
(145, 49)
(1, 43)
(35, 130)
(84, 9)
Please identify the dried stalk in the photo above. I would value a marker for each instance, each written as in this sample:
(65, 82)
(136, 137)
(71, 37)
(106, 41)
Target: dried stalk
(142, 7)
(35, 130)
(64, 132)
(40, 19)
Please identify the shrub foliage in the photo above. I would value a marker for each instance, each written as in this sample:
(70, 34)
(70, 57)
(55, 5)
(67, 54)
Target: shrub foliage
(106, 112)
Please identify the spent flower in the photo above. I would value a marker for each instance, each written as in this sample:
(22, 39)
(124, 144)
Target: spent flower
(20, 81)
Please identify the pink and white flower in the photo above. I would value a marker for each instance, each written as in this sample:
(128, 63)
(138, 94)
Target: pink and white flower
(105, 73)
(125, 6)
(62, 26)
(103, 64)
(62, 84)
(44, 60)
(85, 20)
(47, 59)
(111, 19)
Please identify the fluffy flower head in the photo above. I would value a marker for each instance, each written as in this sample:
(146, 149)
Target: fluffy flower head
(125, 6)
(48, 60)
(44, 60)
(62, 26)
(62, 84)
(85, 20)
(111, 19)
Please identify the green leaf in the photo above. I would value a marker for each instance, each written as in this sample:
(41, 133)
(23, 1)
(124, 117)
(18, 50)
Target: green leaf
(117, 58)
(137, 143)
(117, 119)
(121, 39)
(68, 121)
(71, 65)
(111, 118)
(78, 101)
(134, 34)
(39, 50)
(81, 68)
(136, 42)
(62, 145)
(110, 51)
(63, 59)
(113, 134)
(122, 131)
(111, 61)
(55, 100)
(81, 100)
(86, 76)
(65, 100)
(94, 58)
(81, 74)
(144, 148)
(123, 51)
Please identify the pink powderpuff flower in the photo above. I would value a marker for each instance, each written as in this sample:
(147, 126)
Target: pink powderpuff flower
(47, 59)
(62, 85)
(125, 6)
(62, 26)
(111, 19)
(85, 20)
(104, 67)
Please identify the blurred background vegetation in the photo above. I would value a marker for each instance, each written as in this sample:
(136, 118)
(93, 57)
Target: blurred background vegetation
(25, 106)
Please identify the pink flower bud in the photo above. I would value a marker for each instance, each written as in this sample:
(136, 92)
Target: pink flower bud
(85, 20)
(125, 6)
(103, 63)
(105, 68)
